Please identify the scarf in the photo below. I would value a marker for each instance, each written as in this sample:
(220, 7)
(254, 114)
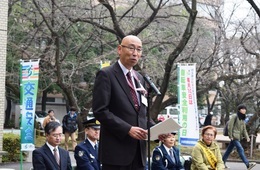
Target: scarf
(241, 116)
(209, 155)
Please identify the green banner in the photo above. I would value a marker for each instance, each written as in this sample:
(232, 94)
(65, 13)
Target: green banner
(28, 92)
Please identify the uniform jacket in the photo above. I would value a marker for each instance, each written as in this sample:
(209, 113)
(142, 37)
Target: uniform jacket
(162, 161)
(200, 161)
(238, 130)
(43, 159)
(113, 106)
(86, 156)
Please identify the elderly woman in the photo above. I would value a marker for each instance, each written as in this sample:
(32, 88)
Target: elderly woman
(206, 153)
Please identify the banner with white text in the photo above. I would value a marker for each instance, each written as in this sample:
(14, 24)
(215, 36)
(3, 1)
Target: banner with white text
(28, 91)
(187, 99)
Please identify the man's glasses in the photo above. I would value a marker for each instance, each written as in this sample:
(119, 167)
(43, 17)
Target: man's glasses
(55, 135)
(132, 48)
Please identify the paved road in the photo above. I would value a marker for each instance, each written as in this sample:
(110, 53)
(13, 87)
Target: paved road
(240, 166)
(28, 165)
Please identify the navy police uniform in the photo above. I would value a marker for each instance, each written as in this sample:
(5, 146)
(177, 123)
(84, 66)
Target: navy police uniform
(162, 160)
(85, 154)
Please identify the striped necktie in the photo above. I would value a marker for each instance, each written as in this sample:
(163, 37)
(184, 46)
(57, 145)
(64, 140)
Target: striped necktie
(132, 90)
(56, 156)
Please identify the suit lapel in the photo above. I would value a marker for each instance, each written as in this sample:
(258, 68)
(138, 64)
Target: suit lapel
(91, 149)
(166, 154)
(50, 155)
(62, 156)
(123, 83)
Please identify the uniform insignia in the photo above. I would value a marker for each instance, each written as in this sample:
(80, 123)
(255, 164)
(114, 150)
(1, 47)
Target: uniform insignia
(91, 156)
(97, 122)
(157, 157)
(81, 153)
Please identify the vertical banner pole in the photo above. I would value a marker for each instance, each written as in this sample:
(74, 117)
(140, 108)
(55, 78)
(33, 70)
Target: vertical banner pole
(20, 118)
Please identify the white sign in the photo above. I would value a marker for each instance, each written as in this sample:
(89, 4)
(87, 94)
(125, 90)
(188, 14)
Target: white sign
(188, 118)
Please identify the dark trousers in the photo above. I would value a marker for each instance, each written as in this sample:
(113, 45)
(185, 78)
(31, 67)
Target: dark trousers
(135, 165)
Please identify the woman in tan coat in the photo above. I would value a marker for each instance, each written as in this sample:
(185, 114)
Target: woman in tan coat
(49, 118)
(206, 153)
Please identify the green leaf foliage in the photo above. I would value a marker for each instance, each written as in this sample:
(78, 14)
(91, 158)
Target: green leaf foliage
(11, 144)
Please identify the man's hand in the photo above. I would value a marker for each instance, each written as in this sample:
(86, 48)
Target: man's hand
(138, 133)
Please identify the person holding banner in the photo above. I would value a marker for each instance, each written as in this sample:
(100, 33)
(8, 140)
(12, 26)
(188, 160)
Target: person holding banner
(167, 156)
(50, 156)
(206, 153)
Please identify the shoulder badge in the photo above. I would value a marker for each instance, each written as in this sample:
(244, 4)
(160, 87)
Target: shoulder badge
(81, 153)
(157, 157)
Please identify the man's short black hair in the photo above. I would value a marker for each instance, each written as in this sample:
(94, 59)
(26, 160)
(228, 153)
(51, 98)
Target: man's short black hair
(241, 106)
(51, 126)
(50, 111)
(73, 109)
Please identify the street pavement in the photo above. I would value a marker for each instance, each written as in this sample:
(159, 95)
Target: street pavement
(27, 165)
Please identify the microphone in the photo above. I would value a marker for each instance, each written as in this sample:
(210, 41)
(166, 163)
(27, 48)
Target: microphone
(151, 84)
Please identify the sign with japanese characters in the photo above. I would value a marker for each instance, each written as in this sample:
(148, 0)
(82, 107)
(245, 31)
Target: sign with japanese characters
(28, 92)
(188, 117)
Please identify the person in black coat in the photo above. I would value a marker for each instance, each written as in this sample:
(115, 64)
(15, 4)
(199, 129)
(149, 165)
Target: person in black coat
(123, 120)
(208, 119)
(70, 126)
(44, 157)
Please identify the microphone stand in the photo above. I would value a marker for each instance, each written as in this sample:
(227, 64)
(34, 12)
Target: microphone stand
(148, 126)
(151, 88)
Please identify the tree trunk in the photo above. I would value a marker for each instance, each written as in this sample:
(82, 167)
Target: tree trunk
(7, 112)
(44, 99)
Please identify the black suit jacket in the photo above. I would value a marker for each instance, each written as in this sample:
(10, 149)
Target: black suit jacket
(43, 159)
(113, 106)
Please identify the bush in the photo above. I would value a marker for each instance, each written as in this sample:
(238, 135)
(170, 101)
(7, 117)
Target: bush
(9, 124)
(12, 144)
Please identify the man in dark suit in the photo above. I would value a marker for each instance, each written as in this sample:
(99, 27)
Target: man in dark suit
(120, 106)
(50, 156)
(86, 152)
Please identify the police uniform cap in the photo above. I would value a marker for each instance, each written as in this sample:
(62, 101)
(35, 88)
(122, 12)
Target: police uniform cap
(92, 123)
(174, 132)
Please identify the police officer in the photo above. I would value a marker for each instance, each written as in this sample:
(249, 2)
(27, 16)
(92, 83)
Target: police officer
(86, 153)
(167, 155)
